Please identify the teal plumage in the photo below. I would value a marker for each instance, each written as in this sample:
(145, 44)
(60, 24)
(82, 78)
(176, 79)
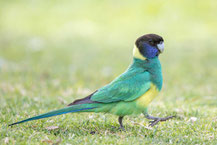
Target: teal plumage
(131, 92)
(127, 87)
(123, 91)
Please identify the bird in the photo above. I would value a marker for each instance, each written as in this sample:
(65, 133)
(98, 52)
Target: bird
(128, 94)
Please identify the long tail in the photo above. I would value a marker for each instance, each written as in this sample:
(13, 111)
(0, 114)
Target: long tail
(70, 109)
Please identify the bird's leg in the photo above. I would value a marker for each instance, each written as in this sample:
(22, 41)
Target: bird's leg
(120, 122)
(157, 119)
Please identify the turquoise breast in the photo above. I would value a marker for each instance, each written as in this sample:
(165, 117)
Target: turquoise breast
(153, 66)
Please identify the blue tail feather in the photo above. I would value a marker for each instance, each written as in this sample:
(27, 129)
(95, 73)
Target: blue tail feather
(52, 113)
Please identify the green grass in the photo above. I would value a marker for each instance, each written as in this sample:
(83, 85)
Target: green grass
(52, 53)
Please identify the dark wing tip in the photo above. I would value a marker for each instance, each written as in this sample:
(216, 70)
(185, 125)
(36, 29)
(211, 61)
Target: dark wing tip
(85, 100)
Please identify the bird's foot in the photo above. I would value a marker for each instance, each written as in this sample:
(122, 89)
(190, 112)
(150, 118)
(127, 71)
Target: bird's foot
(120, 118)
(119, 128)
(122, 128)
(157, 119)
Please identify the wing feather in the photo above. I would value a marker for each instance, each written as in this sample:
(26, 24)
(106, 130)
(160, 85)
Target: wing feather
(128, 87)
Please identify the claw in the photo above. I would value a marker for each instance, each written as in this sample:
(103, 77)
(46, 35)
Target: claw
(151, 122)
(156, 120)
(122, 129)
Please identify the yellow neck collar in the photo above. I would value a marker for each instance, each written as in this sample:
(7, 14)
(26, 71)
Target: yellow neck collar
(137, 54)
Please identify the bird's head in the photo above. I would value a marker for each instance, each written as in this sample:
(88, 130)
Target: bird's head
(148, 46)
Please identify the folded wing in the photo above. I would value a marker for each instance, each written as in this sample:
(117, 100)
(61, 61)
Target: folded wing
(128, 87)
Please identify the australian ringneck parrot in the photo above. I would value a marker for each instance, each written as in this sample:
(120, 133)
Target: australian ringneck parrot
(131, 92)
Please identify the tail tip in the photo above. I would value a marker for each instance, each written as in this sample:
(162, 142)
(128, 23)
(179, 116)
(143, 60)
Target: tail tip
(13, 124)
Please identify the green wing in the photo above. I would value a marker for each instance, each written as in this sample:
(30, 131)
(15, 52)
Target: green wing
(127, 87)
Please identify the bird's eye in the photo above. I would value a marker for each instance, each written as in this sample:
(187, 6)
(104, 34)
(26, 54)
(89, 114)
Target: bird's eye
(151, 42)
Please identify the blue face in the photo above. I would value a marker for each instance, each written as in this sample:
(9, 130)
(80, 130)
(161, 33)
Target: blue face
(150, 45)
(148, 50)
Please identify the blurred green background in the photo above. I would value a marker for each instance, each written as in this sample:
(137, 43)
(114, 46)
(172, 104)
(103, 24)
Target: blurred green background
(52, 52)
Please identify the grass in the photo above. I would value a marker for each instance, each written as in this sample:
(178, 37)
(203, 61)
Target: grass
(51, 56)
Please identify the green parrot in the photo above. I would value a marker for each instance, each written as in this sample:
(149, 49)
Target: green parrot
(131, 92)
